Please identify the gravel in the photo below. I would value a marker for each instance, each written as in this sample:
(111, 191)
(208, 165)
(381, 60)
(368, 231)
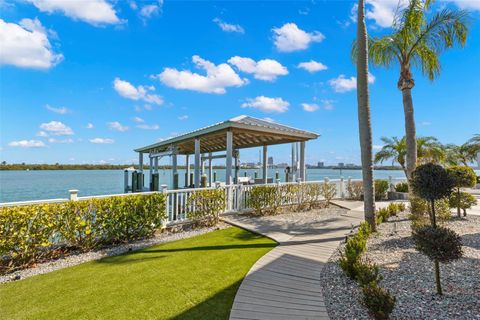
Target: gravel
(79, 258)
(410, 277)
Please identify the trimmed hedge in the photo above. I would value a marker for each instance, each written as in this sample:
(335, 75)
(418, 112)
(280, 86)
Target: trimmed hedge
(30, 233)
(207, 204)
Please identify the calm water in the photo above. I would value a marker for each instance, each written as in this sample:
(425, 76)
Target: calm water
(50, 184)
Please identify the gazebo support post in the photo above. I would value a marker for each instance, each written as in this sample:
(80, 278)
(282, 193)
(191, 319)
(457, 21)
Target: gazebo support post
(302, 161)
(197, 163)
(228, 169)
(265, 165)
(187, 170)
(175, 171)
(210, 175)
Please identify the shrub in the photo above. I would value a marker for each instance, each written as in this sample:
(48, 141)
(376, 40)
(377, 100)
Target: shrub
(462, 200)
(431, 182)
(265, 200)
(421, 211)
(382, 215)
(207, 205)
(366, 272)
(312, 195)
(355, 190)
(438, 243)
(328, 192)
(364, 230)
(401, 187)
(354, 247)
(77, 224)
(381, 188)
(463, 176)
(379, 301)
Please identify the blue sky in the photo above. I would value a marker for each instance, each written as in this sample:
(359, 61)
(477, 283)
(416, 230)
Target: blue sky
(89, 83)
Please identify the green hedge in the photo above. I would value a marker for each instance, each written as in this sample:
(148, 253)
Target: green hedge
(207, 205)
(30, 233)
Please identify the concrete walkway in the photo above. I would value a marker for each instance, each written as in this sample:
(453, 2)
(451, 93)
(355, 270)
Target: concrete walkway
(285, 283)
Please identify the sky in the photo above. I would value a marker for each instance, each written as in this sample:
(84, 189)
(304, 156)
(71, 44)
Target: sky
(87, 82)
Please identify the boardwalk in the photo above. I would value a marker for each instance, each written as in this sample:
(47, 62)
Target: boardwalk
(285, 283)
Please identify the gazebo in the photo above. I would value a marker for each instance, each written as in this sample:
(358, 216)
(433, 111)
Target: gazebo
(230, 136)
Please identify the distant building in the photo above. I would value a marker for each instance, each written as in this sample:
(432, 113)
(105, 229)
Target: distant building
(341, 164)
(282, 165)
(320, 164)
(270, 161)
(350, 165)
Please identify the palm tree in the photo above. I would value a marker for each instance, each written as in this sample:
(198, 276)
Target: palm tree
(429, 149)
(418, 41)
(462, 154)
(364, 123)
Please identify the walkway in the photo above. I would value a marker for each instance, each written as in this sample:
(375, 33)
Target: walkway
(285, 283)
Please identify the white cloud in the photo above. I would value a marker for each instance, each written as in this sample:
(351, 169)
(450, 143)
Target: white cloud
(89, 125)
(138, 120)
(227, 27)
(61, 110)
(425, 123)
(312, 66)
(42, 134)
(467, 4)
(217, 78)
(266, 69)
(148, 127)
(268, 119)
(382, 12)
(117, 126)
(95, 12)
(267, 104)
(377, 147)
(150, 10)
(67, 141)
(56, 128)
(342, 84)
(184, 117)
(26, 45)
(327, 104)
(291, 38)
(27, 144)
(129, 91)
(310, 107)
(102, 141)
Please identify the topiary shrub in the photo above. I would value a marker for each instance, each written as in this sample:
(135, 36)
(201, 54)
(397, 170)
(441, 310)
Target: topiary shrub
(379, 302)
(464, 177)
(207, 205)
(440, 243)
(366, 272)
(401, 187)
(381, 188)
(462, 200)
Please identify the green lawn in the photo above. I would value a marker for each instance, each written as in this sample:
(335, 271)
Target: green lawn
(195, 278)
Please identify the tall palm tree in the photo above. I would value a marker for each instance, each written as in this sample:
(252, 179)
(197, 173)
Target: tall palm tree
(429, 149)
(462, 154)
(417, 41)
(364, 123)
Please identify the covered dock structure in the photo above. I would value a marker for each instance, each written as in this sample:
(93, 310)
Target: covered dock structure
(230, 136)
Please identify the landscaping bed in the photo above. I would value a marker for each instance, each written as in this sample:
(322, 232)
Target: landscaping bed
(409, 276)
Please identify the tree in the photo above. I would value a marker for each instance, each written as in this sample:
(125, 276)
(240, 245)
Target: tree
(432, 182)
(418, 42)
(463, 177)
(429, 149)
(460, 155)
(364, 122)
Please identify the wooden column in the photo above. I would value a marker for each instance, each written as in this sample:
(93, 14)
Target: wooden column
(265, 165)
(174, 170)
(197, 163)
(292, 168)
(150, 171)
(187, 170)
(237, 165)
(210, 174)
(140, 161)
(155, 165)
(302, 161)
(228, 169)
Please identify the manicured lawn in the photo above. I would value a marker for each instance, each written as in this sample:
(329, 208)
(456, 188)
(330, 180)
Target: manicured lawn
(195, 278)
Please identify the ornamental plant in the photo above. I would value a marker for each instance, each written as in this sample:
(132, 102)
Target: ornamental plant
(401, 187)
(440, 243)
(464, 177)
(379, 301)
(264, 200)
(381, 188)
(462, 200)
(207, 205)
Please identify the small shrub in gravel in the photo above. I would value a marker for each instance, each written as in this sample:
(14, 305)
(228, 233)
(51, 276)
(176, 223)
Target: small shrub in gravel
(401, 187)
(462, 200)
(438, 243)
(353, 249)
(463, 176)
(366, 272)
(420, 211)
(379, 301)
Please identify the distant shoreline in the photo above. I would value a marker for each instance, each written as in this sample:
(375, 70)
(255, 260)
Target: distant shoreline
(37, 167)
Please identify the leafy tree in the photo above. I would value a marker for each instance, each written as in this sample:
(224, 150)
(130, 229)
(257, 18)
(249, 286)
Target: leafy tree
(364, 123)
(465, 177)
(417, 41)
(429, 149)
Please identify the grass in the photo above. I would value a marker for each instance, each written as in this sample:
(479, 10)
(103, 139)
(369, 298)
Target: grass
(194, 278)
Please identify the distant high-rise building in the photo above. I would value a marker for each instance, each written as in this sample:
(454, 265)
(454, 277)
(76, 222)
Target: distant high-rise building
(270, 161)
(341, 164)
(320, 164)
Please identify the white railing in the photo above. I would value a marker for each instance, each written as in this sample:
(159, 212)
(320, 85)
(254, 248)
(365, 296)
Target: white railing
(178, 207)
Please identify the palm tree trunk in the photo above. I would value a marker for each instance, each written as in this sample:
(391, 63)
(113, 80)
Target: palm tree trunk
(410, 131)
(364, 123)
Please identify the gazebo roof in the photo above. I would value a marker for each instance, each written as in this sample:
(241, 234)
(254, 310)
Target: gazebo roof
(247, 131)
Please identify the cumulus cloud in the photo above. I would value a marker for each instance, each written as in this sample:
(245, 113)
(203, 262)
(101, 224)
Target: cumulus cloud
(227, 27)
(102, 141)
(342, 84)
(327, 104)
(310, 107)
(56, 128)
(26, 45)
(27, 144)
(89, 125)
(138, 120)
(266, 69)
(150, 10)
(42, 134)
(267, 104)
(66, 141)
(129, 91)
(184, 117)
(467, 4)
(95, 12)
(312, 66)
(216, 80)
(117, 126)
(383, 11)
(148, 126)
(291, 38)
(61, 110)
